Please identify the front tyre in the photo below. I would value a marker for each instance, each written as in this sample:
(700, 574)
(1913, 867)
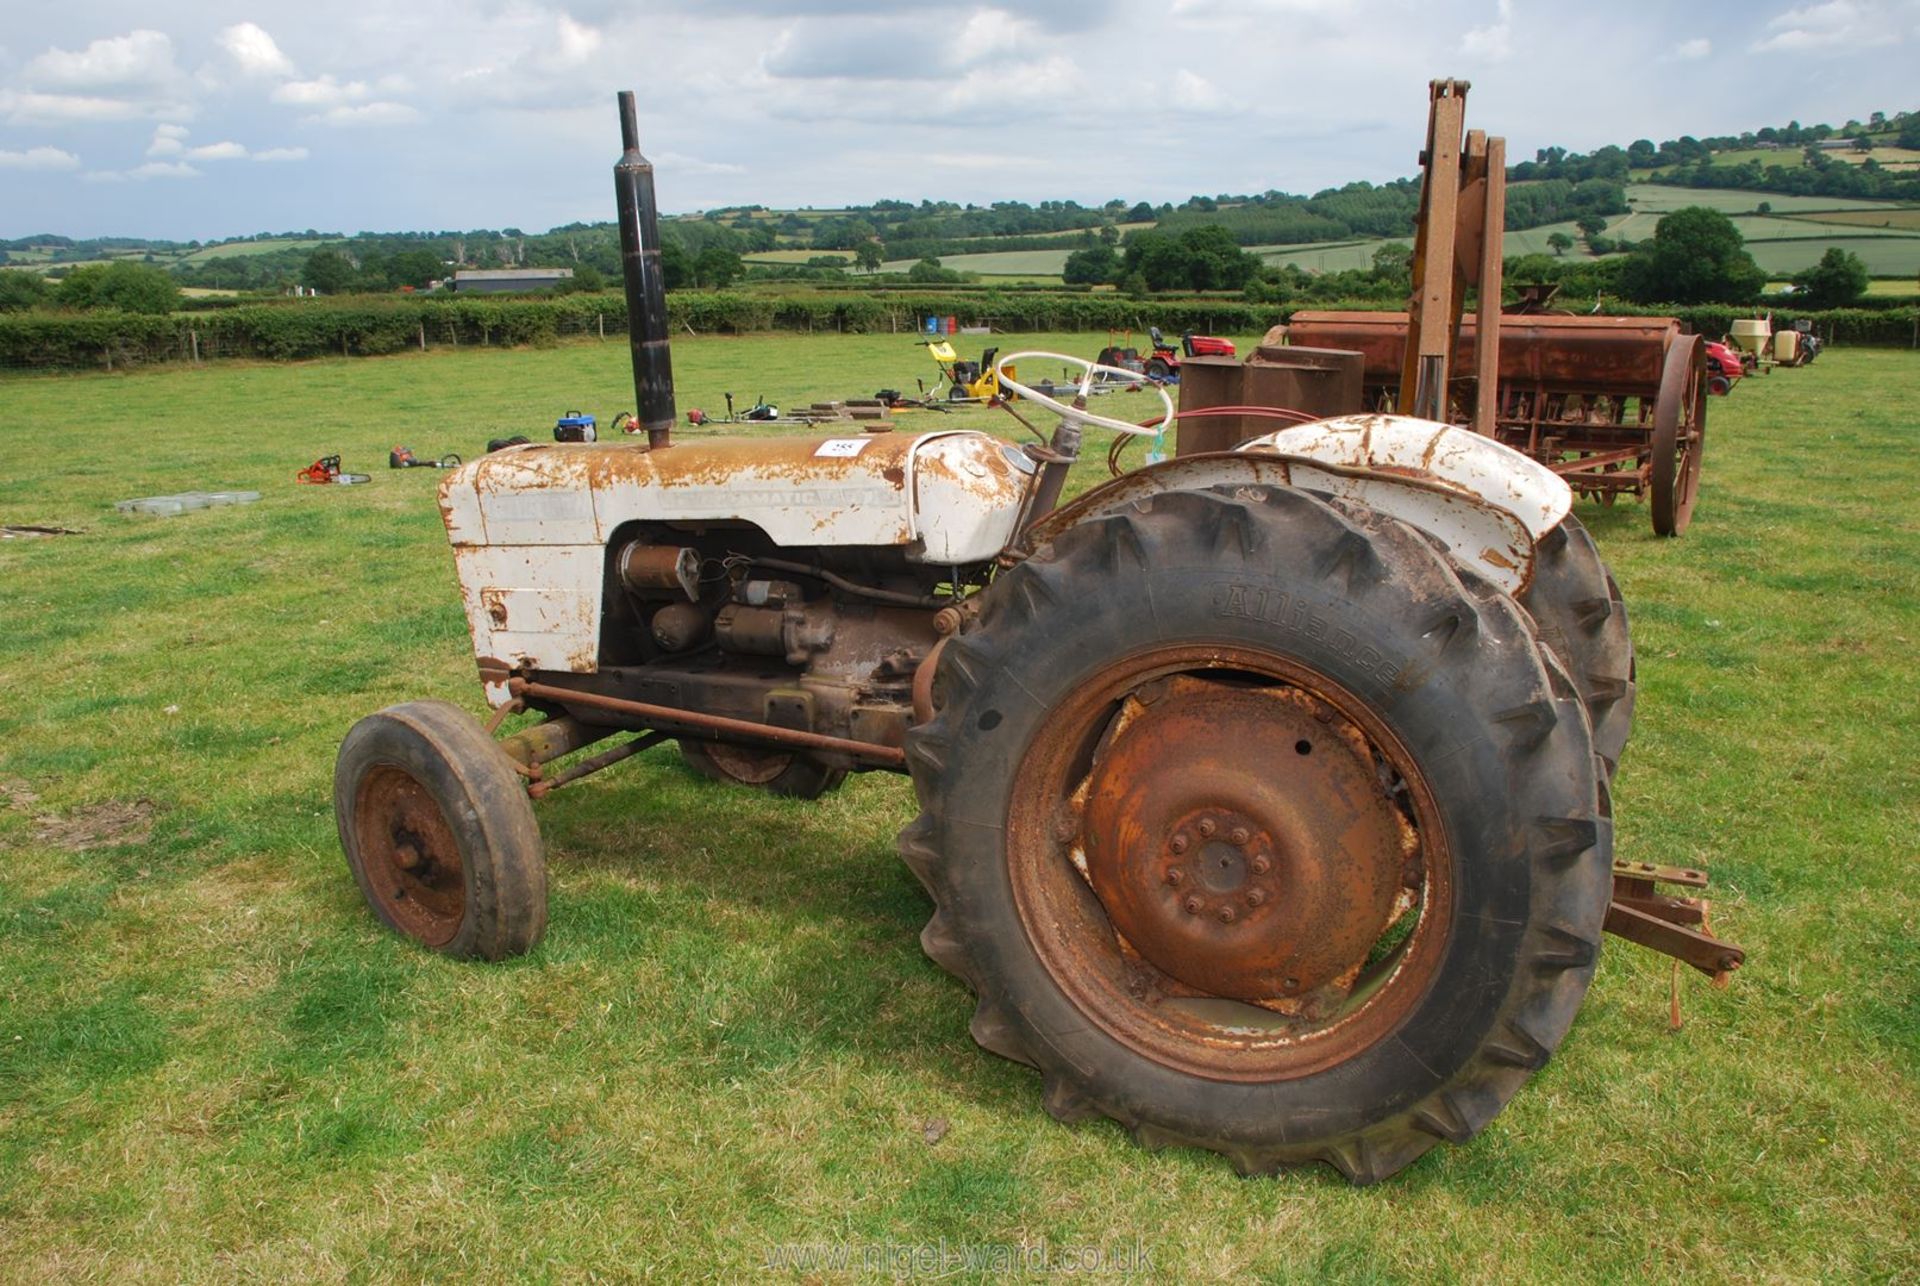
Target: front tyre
(1257, 825)
(439, 833)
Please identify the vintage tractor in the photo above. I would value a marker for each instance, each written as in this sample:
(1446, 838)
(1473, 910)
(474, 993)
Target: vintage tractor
(1263, 793)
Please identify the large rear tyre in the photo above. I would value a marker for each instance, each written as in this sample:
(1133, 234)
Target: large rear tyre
(1578, 613)
(439, 833)
(778, 772)
(1257, 825)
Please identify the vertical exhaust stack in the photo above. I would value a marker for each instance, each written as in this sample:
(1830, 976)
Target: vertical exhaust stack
(646, 289)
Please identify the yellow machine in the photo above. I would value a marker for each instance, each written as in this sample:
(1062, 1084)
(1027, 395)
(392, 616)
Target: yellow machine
(969, 381)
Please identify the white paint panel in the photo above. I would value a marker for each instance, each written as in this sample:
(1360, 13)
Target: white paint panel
(1453, 457)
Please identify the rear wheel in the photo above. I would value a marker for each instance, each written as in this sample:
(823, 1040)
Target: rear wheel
(439, 832)
(1579, 613)
(778, 772)
(1257, 825)
(1159, 369)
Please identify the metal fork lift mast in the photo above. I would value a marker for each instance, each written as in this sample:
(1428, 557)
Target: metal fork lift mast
(1457, 243)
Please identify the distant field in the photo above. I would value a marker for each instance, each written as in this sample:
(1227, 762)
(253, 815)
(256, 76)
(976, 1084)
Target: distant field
(794, 256)
(1901, 217)
(246, 249)
(1657, 196)
(1884, 256)
(1046, 263)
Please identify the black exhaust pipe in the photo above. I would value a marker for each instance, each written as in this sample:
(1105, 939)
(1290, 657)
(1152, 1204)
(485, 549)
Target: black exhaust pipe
(646, 289)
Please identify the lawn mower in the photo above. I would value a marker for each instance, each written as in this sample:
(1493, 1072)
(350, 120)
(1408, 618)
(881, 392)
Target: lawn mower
(966, 381)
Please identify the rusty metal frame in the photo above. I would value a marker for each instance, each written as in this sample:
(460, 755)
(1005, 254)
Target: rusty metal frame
(671, 719)
(1665, 923)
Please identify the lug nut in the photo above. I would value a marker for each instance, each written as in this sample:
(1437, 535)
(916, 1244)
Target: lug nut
(1207, 828)
(1226, 915)
(1256, 896)
(1175, 875)
(1179, 843)
(1239, 837)
(1192, 905)
(1261, 864)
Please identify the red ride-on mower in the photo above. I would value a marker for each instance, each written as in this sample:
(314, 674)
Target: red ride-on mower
(1723, 368)
(1164, 365)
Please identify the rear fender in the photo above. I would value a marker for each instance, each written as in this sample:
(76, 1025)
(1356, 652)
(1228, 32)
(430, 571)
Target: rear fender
(1487, 503)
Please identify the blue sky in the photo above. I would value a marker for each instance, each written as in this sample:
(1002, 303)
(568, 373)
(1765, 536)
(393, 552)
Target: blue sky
(220, 119)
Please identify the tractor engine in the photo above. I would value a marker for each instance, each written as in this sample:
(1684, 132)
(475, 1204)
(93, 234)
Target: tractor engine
(787, 582)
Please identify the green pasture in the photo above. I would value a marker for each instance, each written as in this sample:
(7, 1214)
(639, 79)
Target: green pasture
(214, 1066)
(1660, 197)
(247, 249)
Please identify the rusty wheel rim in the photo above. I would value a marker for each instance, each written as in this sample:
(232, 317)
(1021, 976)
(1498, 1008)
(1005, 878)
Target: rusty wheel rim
(749, 767)
(1229, 863)
(409, 855)
(1679, 435)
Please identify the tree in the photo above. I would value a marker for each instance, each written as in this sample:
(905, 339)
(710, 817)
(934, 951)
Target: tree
(1695, 256)
(1590, 225)
(929, 270)
(327, 271)
(129, 287)
(717, 267)
(1091, 266)
(21, 290)
(1559, 242)
(416, 268)
(676, 265)
(1909, 136)
(1393, 262)
(869, 255)
(1861, 143)
(1836, 281)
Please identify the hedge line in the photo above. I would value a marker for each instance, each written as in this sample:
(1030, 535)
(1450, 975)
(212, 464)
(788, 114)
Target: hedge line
(316, 328)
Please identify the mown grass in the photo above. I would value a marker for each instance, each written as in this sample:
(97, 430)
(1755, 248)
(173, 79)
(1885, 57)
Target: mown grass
(214, 1065)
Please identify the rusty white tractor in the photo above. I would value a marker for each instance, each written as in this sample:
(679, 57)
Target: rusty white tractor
(1262, 793)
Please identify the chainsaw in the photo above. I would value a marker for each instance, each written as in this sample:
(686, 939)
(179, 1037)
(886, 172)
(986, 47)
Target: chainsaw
(327, 470)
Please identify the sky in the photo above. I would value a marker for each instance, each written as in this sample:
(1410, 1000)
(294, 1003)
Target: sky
(222, 119)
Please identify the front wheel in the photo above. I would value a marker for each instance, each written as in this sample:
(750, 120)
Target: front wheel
(1258, 825)
(439, 833)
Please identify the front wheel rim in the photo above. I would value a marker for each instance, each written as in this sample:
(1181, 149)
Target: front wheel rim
(409, 855)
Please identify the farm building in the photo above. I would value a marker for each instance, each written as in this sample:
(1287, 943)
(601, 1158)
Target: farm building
(494, 281)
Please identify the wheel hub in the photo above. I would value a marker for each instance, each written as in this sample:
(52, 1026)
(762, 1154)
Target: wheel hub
(1241, 840)
(420, 882)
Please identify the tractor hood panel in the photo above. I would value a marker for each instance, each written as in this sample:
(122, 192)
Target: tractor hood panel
(954, 497)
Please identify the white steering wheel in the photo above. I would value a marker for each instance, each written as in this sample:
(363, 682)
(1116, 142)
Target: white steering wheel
(1089, 371)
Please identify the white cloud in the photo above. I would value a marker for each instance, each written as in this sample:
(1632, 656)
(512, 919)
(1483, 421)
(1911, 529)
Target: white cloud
(39, 158)
(574, 42)
(254, 51)
(27, 106)
(1835, 24)
(695, 165)
(168, 140)
(1492, 43)
(1690, 50)
(139, 58)
(222, 151)
(163, 170)
(323, 91)
(281, 154)
(378, 113)
(1195, 92)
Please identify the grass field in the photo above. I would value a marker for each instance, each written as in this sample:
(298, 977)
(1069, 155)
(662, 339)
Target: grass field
(245, 249)
(214, 1066)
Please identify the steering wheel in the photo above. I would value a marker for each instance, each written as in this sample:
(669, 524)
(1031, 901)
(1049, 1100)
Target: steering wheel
(1089, 371)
